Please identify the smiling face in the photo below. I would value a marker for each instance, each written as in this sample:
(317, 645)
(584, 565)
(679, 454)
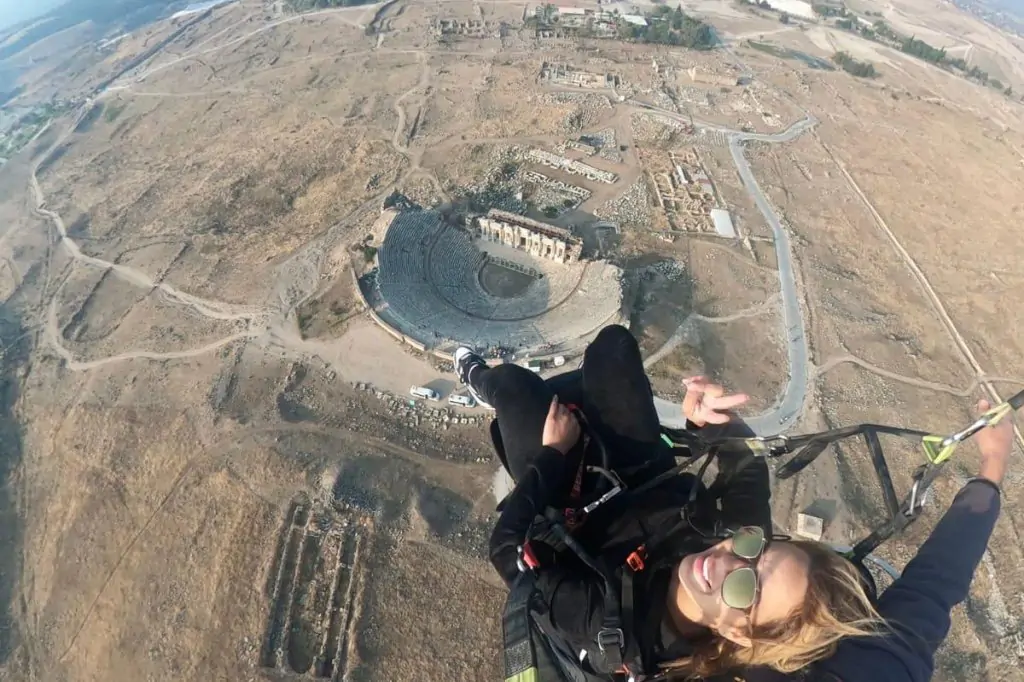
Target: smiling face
(782, 577)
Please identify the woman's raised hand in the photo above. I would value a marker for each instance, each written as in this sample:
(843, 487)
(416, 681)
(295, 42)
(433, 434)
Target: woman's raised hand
(707, 403)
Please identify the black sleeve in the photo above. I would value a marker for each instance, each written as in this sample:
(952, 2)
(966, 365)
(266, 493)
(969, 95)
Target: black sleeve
(918, 604)
(573, 594)
(544, 483)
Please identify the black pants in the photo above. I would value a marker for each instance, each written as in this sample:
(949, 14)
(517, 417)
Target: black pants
(612, 389)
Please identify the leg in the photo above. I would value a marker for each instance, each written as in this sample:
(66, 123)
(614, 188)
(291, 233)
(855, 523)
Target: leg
(521, 400)
(619, 400)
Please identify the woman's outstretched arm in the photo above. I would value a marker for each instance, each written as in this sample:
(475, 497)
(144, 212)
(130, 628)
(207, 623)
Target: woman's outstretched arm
(918, 604)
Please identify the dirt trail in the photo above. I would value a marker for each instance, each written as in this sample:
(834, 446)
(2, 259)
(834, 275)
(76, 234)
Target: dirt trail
(52, 331)
(214, 309)
(683, 330)
(241, 39)
(255, 317)
(422, 85)
(926, 286)
(835, 361)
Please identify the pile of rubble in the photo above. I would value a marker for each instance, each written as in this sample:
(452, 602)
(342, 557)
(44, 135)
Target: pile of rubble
(419, 413)
(631, 208)
(662, 100)
(607, 143)
(589, 108)
(655, 129)
(671, 270)
(548, 192)
(584, 99)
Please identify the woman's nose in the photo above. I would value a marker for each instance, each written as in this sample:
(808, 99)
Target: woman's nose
(728, 563)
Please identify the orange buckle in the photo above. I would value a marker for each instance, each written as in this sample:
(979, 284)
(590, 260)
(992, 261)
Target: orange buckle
(635, 560)
(529, 558)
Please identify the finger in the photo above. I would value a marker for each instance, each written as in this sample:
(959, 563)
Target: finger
(692, 398)
(726, 402)
(553, 408)
(713, 391)
(695, 382)
(983, 406)
(716, 418)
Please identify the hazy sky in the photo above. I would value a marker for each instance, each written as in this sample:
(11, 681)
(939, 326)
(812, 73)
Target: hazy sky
(13, 11)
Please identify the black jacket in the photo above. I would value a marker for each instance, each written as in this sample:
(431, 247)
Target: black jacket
(573, 594)
(917, 605)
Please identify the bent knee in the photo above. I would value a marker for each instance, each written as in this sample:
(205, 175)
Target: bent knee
(615, 333)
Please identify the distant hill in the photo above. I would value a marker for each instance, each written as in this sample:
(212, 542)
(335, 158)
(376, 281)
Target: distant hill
(105, 14)
(1006, 14)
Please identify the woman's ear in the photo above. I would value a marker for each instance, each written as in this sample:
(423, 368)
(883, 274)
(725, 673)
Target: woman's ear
(736, 635)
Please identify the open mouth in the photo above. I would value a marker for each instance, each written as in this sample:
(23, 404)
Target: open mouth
(702, 573)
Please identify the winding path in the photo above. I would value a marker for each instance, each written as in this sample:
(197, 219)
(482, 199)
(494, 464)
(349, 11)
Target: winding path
(271, 327)
(682, 330)
(790, 404)
(256, 319)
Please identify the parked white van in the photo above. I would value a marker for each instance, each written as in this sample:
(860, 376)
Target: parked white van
(461, 400)
(424, 392)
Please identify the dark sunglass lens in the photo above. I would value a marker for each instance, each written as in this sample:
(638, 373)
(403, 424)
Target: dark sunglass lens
(748, 542)
(739, 589)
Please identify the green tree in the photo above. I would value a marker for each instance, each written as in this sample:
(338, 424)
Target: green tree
(853, 66)
(882, 29)
(921, 49)
(829, 11)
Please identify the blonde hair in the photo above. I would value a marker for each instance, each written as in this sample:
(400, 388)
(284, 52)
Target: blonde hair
(837, 605)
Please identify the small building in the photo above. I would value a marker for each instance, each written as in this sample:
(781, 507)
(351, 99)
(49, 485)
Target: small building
(699, 76)
(635, 19)
(723, 223)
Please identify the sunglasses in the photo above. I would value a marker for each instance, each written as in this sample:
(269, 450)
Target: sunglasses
(741, 587)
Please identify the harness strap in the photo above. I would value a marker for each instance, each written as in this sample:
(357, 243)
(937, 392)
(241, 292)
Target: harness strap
(610, 639)
(519, 656)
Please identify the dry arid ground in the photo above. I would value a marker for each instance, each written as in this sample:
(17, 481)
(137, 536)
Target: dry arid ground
(196, 482)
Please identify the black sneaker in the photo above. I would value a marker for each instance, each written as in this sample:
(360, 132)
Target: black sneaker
(466, 362)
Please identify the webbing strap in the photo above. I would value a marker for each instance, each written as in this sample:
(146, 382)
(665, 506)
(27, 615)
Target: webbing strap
(611, 639)
(520, 658)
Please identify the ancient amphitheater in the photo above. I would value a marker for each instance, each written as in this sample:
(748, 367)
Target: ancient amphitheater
(437, 287)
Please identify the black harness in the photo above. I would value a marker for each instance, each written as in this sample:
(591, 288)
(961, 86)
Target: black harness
(617, 644)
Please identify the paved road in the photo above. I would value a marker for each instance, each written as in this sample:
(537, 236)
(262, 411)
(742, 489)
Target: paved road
(790, 404)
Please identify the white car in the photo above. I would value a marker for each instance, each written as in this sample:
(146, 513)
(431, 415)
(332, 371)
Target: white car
(461, 400)
(425, 393)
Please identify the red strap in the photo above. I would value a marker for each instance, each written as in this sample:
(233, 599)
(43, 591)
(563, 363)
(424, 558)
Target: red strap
(529, 558)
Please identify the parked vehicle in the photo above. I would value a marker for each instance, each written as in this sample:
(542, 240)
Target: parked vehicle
(461, 400)
(425, 393)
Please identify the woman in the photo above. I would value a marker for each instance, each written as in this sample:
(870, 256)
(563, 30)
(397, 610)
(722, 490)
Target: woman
(745, 603)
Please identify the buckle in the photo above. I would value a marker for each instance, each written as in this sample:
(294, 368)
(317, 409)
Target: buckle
(527, 560)
(635, 560)
(769, 446)
(611, 636)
